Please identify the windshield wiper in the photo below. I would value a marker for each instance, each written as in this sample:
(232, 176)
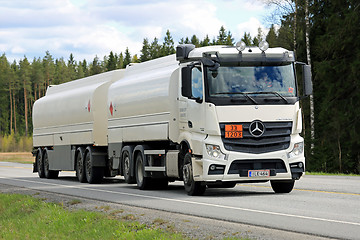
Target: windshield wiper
(274, 93)
(241, 93)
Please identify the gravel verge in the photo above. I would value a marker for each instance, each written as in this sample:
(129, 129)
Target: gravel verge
(190, 226)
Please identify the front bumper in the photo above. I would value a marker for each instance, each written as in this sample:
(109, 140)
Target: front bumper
(235, 166)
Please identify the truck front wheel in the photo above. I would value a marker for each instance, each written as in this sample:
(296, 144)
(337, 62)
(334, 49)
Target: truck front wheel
(282, 186)
(192, 187)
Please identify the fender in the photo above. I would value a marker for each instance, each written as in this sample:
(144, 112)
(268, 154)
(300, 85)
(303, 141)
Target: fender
(98, 159)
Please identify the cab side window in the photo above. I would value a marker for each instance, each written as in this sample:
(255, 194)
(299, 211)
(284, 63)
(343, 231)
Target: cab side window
(196, 83)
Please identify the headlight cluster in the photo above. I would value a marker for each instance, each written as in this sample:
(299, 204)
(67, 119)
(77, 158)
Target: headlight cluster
(214, 151)
(297, 150)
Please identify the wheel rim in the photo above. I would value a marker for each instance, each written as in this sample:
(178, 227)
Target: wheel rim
(39, 163)
(140, 175)
(79, 165)
(187, 174)
(88, 165)
(46, 163)
(127, 166)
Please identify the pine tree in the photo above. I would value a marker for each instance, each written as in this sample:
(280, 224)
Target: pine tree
(49, 71)
(195, 41)
(229, 39)
(247, 39)
(155, 49)
(271, 37)
(168, 45)
(127, 58)
(222, 37)
(95, 67)
(25, 77)
(120, 62)
(206, 41)
(71, 67)
(111, 62)
(145, 51)
(5, 96)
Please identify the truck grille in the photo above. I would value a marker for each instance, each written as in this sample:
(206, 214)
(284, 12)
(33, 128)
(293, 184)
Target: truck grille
(276, 137)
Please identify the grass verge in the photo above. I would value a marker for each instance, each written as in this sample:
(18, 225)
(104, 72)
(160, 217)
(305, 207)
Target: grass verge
(25, 217)
(18, 157)
(332, 174)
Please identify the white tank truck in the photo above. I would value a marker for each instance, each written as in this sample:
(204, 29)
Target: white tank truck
(210, 117)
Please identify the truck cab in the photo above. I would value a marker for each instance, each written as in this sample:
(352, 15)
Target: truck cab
(240, 116)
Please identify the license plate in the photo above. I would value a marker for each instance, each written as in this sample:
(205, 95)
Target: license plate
(259, 173)
(233, 131)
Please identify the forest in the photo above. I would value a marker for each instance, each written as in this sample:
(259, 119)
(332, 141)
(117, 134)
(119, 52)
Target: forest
(323, 33)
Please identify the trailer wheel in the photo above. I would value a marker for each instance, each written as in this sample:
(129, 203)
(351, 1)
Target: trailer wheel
(49, 174)
(126, 168)
(143, 182)
(192, 187)
(93, 174)
(282, 186)
(40, 164)
(80, 167)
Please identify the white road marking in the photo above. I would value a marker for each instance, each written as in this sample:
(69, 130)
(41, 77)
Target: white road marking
(192, 202)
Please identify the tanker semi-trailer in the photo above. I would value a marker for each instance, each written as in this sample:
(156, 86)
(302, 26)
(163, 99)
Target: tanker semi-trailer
(210, 117)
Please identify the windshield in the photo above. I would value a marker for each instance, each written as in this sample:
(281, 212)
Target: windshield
(227, 81)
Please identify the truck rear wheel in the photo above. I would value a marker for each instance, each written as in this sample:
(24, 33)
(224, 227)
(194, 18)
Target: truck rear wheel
(93, 174)
(282, 186)
(80, 167)
(193, 188)
(126, 168)
(49, 174)
(143, 182)
(40, 163)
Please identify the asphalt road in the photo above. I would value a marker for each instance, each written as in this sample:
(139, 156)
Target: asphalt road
(327, 206)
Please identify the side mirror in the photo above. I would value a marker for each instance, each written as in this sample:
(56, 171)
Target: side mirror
(307, 80)
(186, 81)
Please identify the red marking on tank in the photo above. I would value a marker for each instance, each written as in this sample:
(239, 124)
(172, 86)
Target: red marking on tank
(89, 106)
(111, 108)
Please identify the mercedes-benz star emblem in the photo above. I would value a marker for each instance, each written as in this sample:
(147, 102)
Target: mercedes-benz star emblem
(257, 128)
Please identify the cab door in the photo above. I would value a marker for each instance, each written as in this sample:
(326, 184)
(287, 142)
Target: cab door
(195, 109)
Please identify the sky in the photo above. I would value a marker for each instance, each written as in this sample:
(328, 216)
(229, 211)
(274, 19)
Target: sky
(89, 28)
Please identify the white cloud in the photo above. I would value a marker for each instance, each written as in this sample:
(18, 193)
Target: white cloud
(251, 26)
(96, 27)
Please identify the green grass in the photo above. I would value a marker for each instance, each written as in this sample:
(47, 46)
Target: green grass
(332, 174)
(25, 217)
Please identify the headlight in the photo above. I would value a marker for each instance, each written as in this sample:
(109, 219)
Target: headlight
(297, 150)
(214, 151)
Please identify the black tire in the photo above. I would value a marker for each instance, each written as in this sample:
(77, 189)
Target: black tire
(193, 188)
(93, 174)
(282, 186)
(49, 174)
(143, 183)
(80, 166)
(40, 164)
(126, 168)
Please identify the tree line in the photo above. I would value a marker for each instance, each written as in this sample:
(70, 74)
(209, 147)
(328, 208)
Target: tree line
(23, 82)
(330, 29)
